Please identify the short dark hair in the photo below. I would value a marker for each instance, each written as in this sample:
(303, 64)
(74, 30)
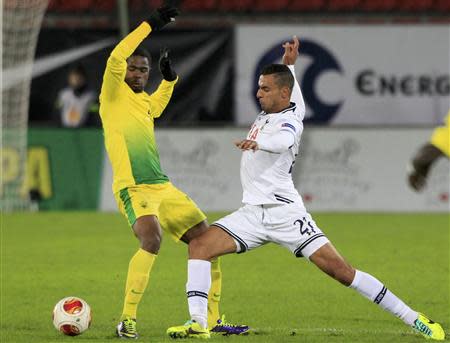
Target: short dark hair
(283, 75)
(140, 51)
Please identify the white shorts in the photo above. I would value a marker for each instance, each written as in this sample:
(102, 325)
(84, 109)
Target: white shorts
(287, 225)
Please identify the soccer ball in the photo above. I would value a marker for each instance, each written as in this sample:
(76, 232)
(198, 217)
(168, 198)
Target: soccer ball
(72, 316)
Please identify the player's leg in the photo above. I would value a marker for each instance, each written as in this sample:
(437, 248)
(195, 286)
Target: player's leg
(218, 240)
(210, 245)
(216, 275)
(216, 322)
(327, 259)
(148, 232)
(147, 229)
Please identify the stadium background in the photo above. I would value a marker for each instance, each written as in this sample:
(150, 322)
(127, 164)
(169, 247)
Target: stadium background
(376, 80)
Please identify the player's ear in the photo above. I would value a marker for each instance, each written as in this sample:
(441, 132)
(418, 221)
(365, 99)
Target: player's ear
(285, 92)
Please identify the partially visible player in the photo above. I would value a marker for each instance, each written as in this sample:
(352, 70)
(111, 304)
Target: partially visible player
(143, 192)
(273, 210)
(428, 154)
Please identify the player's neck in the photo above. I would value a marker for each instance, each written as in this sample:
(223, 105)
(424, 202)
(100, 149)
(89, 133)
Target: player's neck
(280, 107)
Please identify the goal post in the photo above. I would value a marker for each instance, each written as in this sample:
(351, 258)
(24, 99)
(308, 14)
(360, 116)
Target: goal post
(20, 22)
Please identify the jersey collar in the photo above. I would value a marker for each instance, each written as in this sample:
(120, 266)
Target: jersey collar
(292, 107)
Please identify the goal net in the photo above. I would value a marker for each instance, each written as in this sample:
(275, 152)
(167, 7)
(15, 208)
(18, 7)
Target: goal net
(20, 22)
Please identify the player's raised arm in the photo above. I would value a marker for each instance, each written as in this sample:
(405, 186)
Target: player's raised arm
(289, 58)
(117, 62)
(164, 92)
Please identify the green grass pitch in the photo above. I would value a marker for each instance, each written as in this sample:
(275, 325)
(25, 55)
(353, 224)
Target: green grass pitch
(47, 256)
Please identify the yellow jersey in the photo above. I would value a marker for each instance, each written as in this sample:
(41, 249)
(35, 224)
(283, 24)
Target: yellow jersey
(128, 119)
(441, 137)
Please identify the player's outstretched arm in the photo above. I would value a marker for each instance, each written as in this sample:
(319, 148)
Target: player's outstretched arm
(289, 58)
(421, 164)
(117, 62)
(277, 143)
(162, 95)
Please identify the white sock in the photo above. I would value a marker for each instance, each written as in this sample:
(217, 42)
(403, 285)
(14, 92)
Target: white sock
(375, 291)
(197, 289)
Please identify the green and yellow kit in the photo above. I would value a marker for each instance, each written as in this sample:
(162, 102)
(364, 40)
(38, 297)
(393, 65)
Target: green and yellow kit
(441, 137)
(139, 184)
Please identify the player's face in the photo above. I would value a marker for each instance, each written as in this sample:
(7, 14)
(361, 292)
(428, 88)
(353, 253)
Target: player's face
(271, 97)
(137, 73)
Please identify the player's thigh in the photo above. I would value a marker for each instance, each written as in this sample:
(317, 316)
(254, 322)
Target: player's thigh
(195, 231)
(178, 213)
(138, 201)
(294, 229)
(245, 226)
(212, 243)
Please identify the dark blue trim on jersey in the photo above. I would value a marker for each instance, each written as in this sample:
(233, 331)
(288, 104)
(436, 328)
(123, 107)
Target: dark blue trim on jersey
(380, 295)
(298, 251)
(244, 246)
(292, 108)
(191, 294)
(283, 199)
(286, 202)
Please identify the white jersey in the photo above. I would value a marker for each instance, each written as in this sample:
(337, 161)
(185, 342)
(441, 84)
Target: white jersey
(74, 108)
(266, 176)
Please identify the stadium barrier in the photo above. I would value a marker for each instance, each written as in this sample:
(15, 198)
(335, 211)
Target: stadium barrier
(63, 170)
(338, 169)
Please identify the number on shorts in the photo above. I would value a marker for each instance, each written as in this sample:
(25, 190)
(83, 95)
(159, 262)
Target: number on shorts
(305, 229)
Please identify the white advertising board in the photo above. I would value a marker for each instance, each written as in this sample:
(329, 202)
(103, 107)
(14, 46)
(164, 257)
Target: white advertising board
(336, 170)
(354, 74)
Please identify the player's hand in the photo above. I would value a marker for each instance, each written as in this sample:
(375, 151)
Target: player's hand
(420, 165)
(291, 51)
(162, 16)
(416, 180)
(247, 144)
(165, 65)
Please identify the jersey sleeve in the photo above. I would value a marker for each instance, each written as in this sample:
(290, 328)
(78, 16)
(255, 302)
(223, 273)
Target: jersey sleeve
(296, 96)
(291, 125)
(116, 66)
(441, 137)
(287, 129)
(160, 98)
(276, 143)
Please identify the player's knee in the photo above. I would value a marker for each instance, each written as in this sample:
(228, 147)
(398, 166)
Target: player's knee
(151, 242)
(198, 249)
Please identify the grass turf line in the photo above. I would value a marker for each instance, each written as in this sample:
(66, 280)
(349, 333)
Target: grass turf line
(47, 256)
